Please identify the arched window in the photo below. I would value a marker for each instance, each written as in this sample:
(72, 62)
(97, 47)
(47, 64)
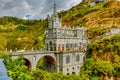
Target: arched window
(73, 68)
(68, 59)
(63, 47)
(73, 72)
(67, 69)
(78, 57)
(67, 73)
(79, 46)
(71, 45)
(47, 47)
(54, 47)
(51, 48)
(67, 45)
(59, 47)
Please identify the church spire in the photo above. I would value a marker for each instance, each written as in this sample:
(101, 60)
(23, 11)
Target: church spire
(54, 6)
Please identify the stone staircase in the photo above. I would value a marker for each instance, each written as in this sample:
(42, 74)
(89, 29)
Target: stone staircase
(3, 71)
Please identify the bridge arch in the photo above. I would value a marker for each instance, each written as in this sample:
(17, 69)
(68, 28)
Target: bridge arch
(49, 61)
(48, 56)
(27, 58)
(45, 61)
(31, 60)
(27, 63)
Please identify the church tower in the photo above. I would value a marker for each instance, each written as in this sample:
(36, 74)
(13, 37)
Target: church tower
(54, 21)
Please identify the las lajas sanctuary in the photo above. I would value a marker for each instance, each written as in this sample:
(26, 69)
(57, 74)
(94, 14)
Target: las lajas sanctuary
(71, 43)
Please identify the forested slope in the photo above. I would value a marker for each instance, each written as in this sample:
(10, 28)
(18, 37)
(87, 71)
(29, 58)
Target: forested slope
(98, 18)
(21, 34)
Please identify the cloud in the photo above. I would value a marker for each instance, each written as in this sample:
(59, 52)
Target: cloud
(38, 9)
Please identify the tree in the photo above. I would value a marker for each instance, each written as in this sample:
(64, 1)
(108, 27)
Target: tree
(104, 67)
(16, 68)
(3, 43)
(41, 75)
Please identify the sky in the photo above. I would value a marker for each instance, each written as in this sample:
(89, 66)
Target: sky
(33, 9)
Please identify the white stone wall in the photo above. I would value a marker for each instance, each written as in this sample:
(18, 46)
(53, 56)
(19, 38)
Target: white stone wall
(66, 35)
(114, 31)
(73, 66)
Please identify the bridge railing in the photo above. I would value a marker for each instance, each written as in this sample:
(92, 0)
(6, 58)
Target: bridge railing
(41, 52)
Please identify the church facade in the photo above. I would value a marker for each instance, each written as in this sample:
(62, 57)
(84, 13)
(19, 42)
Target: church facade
(69, 43)
(62, 38)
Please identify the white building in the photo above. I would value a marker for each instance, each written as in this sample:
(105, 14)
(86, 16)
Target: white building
(68, 44)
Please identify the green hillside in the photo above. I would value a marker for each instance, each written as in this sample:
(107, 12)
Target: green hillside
(98, 18)
(21, 34)
(103, 59)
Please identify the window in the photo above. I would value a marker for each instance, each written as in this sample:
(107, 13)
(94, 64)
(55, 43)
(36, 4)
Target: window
(75, 34)
(47, 46)
(67, 45)
(68, 59)
(75, 44)
(51, 48)
(79, 46)
(70, 45)
(73, 68)
(63, 47)
(73, 72)
(77, 58)
(67, 73)
(67, 69)
(59, 47)
(54, 47)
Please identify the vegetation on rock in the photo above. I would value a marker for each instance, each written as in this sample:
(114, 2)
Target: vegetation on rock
(103, 58)
(19, 34)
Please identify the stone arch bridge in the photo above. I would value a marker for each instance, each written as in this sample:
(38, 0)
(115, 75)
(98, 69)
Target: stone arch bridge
(66, 62)
(33, 57)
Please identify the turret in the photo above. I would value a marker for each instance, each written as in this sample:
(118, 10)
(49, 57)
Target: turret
(54, 21)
